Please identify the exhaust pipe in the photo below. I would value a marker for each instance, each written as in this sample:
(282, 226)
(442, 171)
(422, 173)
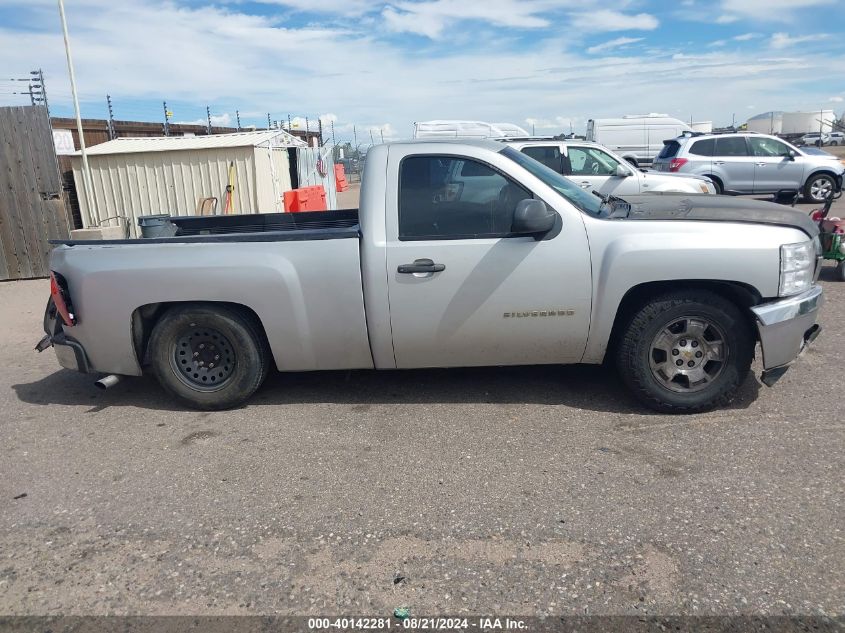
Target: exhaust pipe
(108, 381)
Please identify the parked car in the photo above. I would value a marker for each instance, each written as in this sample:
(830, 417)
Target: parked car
(836, 138)
(596, 168)
(637, 137)
(752, 163)
(815, 138)
(462, 254)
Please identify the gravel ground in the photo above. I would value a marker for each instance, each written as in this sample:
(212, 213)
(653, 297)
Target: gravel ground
(487, 491)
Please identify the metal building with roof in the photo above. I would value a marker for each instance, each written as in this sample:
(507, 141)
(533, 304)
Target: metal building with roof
(132, 177)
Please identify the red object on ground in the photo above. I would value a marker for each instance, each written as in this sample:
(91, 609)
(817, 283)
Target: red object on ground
(340, 178)
(306, 199)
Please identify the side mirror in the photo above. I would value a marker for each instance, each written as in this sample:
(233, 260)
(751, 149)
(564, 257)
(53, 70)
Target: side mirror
(622, 172)
(791, 155)
(532, 217)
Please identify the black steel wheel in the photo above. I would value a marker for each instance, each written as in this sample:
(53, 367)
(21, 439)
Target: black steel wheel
(209, 356)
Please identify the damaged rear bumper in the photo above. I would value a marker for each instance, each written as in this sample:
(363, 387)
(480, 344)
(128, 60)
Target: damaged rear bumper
(786, 328)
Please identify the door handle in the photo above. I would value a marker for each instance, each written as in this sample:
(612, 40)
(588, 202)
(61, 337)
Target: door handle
(718, 162)
(761, 164)
(584, 184)
(421, 266)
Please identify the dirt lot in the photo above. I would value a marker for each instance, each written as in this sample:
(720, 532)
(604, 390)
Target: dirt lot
(487, 491)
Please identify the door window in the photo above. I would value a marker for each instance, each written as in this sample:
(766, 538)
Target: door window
(589, 161)
(550, 156)
(731, 146)
(703, 147)
(448, 197)
(768, 147)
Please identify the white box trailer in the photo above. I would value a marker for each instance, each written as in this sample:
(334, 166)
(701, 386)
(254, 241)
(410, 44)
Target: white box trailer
(637, 137)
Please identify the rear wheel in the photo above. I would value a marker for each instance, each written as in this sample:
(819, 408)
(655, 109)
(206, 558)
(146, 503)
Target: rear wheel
(717, 184)
(685, 352)
(840, 271)
(208, 356)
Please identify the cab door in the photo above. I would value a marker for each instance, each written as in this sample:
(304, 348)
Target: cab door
(595, 170)
(733, 163)
(462, 289)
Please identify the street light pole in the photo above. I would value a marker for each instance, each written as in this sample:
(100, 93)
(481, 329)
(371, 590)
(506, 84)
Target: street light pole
(91, 203)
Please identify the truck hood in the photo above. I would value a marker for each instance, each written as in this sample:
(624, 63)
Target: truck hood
(708, 208)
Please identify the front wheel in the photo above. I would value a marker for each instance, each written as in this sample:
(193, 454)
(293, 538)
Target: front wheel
(685, 352)
(208, 356)
(819, 188)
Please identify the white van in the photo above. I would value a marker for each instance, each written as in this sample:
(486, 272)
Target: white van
(467, 129)
(637, 137)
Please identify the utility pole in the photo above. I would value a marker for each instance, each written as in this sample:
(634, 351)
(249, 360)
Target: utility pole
(238, 119)
(320, 128)
(355, 138)
(37, 91)
(733, 121)
(334, 142)
(86, 169)
(381, 131)
(112, 134)
(166, 120)
(208, 118)
(269, 122)
(372, 140)
(289, 124)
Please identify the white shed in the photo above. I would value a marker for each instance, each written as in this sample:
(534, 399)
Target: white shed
(173, 174)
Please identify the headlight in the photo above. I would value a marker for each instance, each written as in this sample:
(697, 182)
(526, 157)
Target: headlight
(797, 264)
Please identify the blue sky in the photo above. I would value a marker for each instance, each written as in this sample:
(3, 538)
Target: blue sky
(550, 64)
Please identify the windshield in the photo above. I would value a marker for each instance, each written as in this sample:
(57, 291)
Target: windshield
(582, 199)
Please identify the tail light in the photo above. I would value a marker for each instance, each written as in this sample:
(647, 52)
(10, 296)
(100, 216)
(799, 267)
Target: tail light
(61, 299)
(676, 163)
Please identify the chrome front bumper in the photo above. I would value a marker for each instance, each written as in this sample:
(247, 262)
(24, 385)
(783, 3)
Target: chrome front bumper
(786, 328)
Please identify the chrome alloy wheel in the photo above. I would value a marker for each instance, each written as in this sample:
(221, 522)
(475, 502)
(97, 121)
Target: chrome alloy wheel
(688, 354)
(821, 188)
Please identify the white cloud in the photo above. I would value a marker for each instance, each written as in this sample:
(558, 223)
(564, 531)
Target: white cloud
(727, 18)
(217, 120)
(431, 17)
(771, 10)
(718, 43)
(619, 42)
(784, 40)
(745, 37)
(609, 20)
(837, 99)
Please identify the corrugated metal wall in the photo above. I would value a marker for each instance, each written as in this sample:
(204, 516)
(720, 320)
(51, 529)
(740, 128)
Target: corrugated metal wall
(306, 164)
(131, 185)
(270, 197)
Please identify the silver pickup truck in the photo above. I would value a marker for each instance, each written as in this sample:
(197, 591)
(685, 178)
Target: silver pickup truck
(462, 254)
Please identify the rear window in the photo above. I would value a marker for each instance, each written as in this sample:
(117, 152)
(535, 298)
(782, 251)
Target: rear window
(703, 148)
(731, 146)
(670, 149)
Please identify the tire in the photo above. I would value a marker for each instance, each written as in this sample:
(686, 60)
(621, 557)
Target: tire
(208, 356)
(717, 184)
(840, 271)
(818, 187)
(674, 322)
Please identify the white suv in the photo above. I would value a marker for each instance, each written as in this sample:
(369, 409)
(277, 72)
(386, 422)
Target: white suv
(752, 164)
(596, 168)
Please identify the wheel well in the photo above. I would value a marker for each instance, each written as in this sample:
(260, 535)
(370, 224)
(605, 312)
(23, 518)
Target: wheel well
(716, 180)
(738, 293)
(145, 317)
(820, 172)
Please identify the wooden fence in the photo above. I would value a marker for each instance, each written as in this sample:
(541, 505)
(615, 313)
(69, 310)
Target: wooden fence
(31, 207)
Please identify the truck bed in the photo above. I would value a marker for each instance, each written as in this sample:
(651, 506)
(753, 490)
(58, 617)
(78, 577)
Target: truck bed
(258, 227)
